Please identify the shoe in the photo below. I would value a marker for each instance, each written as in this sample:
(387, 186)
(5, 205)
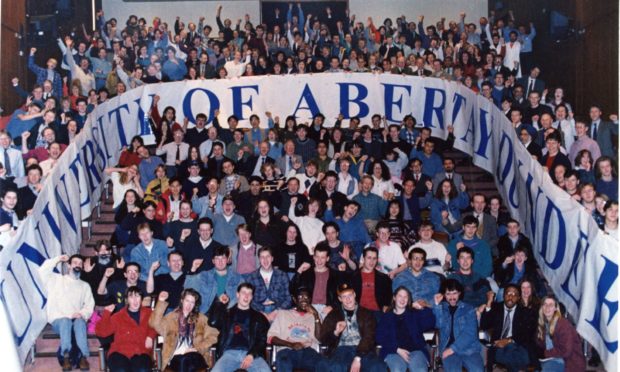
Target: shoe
(66, 362)
(84, 365)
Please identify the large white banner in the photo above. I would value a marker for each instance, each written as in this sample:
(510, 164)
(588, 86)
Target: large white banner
(580, 263)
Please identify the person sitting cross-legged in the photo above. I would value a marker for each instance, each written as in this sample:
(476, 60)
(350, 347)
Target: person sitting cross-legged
(297, 331)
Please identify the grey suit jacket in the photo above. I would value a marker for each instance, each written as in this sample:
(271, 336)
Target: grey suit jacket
(606, 143)
(457, 179)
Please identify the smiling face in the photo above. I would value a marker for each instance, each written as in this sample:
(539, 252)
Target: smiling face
(244, 298)
(347, 298)
(175, 261)
(511, 297)
(452, 297)
(401, 299)
(549, 307)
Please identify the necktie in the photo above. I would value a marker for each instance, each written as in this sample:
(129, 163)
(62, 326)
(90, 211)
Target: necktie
(530, 88)
(290, 163)
(507, 326)
(202, 70)
(417, 178)
(7, 163)
(178, 155)
(449, 176)
(262, 160)
(594, 130)
(307, 183)
(480, 230)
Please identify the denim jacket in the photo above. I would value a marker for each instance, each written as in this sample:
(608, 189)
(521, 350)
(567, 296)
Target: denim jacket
(465, 328)
(205, 283)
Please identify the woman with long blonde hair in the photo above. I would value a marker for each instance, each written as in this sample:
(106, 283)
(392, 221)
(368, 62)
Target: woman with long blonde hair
(558, 340)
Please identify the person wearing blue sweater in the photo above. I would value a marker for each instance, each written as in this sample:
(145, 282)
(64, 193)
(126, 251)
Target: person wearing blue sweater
(447, 205)
(173, 69)
(353, 231)
(483, 264)
(400, 332)
(431, 162)
(225, 223)
(458, 330)
(372, 206)
(150, 252)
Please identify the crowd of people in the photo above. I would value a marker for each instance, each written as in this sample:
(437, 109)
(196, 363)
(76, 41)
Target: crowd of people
(299, 235)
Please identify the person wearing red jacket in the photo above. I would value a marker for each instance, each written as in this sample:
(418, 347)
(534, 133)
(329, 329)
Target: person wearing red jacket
(132, 347)
(170, 202)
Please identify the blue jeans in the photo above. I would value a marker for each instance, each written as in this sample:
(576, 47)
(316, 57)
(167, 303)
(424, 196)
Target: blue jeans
(64, 326)
(289, 359)
(514, 357)
(456, 362)
(342, 357)
(552, 365)
(417, 362)
(231, 361)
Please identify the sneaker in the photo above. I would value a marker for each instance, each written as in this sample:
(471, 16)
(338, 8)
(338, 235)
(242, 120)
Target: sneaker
(66, 362)
(84, 365)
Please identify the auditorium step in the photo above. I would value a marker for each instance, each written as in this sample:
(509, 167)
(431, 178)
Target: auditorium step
(45, 352)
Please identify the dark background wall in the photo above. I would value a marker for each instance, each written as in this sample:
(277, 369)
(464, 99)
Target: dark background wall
(13, 17)
(586, 64)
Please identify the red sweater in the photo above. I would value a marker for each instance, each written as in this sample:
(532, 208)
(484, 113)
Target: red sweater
(129, 337)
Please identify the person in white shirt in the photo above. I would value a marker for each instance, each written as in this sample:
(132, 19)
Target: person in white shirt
(347, 184)
(438, 260)
(70, 304)
(175, 151)
(513, 50)
(382, 186)
(391, 258)
(81, 72)
(236, 67)
(310, 226)
(47, 165)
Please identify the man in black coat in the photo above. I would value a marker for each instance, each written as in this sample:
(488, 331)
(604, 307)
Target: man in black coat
(243, 333)
(198, 134)
(324, 189)
(368, 278)
(251, 166)
(309, 276)
(513, 330)
(198, 247)
(27, 195)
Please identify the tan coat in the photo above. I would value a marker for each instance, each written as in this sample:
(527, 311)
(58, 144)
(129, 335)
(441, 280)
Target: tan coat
(168, 327)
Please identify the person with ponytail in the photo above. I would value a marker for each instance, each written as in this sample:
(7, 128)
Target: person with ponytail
(187, 334)
(557, 339)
